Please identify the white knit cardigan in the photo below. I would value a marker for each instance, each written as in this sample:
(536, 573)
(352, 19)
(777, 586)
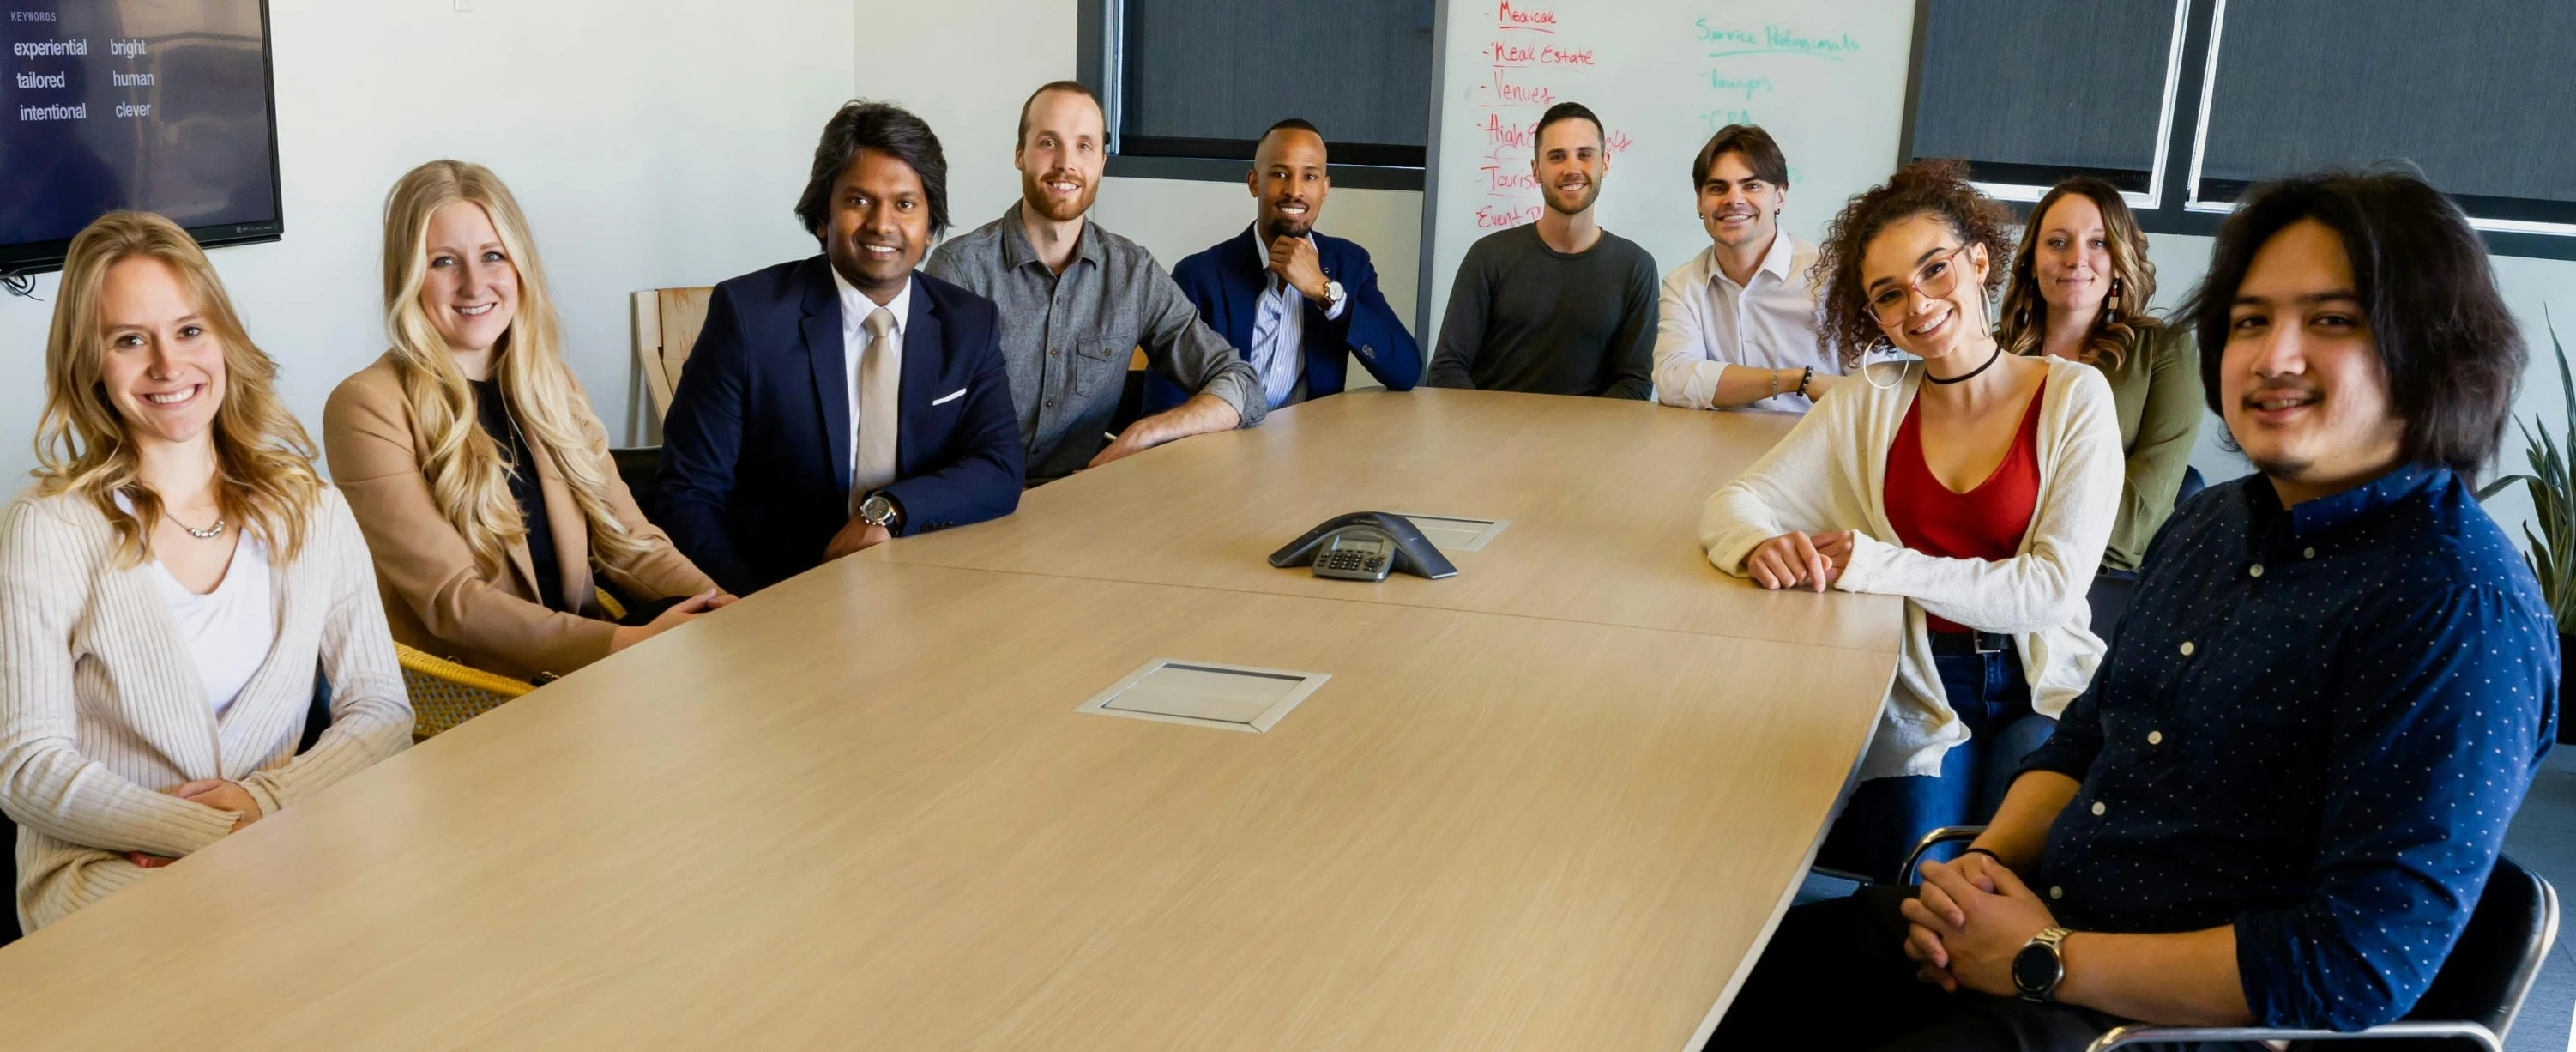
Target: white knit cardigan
(102, 710)
(1830, 473)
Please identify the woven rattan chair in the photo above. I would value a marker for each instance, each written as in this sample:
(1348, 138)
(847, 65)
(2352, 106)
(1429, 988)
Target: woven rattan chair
(445, 694)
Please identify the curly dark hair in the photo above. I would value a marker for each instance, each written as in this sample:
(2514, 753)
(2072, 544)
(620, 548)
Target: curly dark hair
(888, 129)
(2449, 346)
(1939, 188)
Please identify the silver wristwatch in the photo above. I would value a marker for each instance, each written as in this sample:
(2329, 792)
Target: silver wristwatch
(880, 510)
(1332, 294)
(2040, 965)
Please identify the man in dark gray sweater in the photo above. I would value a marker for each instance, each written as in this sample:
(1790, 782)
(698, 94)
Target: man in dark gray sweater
(1559, 306)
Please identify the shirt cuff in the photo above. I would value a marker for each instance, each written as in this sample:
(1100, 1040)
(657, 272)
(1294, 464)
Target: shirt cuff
(1339, 307)
(2278, 990)
(1868, 557)
(1235, 388)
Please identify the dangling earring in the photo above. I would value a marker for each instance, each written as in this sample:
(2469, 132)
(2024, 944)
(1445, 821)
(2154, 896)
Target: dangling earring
(2114, 306)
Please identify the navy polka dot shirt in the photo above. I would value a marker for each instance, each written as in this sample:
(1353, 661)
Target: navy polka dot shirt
(2313, 725)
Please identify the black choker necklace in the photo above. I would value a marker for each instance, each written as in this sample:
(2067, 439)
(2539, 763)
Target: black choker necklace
(1972, 373)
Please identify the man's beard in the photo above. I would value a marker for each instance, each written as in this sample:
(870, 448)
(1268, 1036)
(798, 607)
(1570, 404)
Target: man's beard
(1284, 227)
(1033, 192)
(1591, 193)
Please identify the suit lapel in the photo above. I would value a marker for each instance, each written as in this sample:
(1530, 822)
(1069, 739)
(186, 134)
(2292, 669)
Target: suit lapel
(525, 566)
(827, 357)
(924, 358)
(1247, 278)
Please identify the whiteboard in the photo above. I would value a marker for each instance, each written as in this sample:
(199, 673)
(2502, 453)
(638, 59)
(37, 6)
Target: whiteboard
(1826, 78)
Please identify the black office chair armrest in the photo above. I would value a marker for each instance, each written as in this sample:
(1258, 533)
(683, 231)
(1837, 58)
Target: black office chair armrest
(2141, 1033)
(1912, 873)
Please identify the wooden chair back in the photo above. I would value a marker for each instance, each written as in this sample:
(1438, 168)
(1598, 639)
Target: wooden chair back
(666, 327)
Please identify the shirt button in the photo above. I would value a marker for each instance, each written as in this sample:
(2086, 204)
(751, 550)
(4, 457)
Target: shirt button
(2056, 893)
(2155, 737)
(2257, 571)
(2308, 554)
(1052, 352)
(2186, 644)
(1051, 404)
(2098, 809)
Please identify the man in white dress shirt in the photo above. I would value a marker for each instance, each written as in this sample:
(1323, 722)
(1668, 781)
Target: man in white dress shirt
(1738, 322)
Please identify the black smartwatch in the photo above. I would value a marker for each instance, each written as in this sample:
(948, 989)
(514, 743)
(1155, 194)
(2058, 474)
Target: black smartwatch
(2040, 966)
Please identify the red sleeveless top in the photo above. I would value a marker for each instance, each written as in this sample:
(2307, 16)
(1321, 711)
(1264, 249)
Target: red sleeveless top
(1984, 523)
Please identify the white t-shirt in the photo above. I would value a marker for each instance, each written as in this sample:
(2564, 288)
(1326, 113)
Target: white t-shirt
(229, 630)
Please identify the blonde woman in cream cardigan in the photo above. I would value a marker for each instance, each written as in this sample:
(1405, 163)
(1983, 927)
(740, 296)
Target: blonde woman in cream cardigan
(1979, 485)
(474, 463)
(170, 586)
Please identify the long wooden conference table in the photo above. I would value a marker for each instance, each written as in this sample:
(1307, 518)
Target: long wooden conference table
(1555, 802)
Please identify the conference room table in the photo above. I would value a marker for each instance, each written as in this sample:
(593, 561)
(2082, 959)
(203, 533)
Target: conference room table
(1554, 802)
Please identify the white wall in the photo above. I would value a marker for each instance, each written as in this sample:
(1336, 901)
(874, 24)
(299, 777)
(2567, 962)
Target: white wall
(965, 66)
(652, 142)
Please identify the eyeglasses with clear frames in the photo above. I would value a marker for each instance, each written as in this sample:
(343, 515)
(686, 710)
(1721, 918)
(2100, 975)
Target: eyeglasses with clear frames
(1937, 277)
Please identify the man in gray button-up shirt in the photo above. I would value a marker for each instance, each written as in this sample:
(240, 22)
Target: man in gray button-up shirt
(1077, 300)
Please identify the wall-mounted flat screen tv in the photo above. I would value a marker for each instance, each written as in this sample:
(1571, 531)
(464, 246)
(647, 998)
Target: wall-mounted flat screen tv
(160, 105)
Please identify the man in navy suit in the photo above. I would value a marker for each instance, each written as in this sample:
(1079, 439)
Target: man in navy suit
(1299, 303)
(840, 401)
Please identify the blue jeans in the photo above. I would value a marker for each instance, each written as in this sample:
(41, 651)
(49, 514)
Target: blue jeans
(1885, 817)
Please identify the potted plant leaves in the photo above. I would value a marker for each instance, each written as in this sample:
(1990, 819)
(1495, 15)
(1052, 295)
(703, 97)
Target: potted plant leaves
(2552, 548)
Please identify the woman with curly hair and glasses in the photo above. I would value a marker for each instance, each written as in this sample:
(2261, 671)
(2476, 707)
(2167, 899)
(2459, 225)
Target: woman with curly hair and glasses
(1977, 484)
(171, 585)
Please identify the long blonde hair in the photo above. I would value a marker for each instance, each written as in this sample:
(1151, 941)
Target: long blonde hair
(2124, 327)
(264, 476)
(468, 472)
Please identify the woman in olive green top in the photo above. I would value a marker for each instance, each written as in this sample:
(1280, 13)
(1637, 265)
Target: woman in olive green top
(2080, 286)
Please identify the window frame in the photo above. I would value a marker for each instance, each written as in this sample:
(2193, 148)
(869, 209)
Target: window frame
(2174, 205)
(1100, 60)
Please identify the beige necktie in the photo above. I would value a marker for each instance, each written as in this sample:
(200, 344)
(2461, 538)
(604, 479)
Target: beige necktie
(880, 380)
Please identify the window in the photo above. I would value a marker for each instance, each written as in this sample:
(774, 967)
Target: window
(2184, 104)
(1189, 85)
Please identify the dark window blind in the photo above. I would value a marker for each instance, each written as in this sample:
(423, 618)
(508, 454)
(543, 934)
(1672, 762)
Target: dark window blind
(2478, 94)
(2030, 91)
(1205, 77)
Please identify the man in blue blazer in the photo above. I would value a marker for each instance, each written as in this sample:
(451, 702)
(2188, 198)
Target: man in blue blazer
(1297, 302)
(836, 402)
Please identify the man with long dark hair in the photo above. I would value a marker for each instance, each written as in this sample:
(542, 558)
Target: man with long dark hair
(2294, 769)
(842, 400)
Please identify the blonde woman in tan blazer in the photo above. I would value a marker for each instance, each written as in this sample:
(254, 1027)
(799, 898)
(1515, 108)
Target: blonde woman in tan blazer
(473, 460)
(170, 586)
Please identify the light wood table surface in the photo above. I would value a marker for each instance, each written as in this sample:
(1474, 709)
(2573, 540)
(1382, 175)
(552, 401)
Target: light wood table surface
(858, 810)
(1603, 495)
